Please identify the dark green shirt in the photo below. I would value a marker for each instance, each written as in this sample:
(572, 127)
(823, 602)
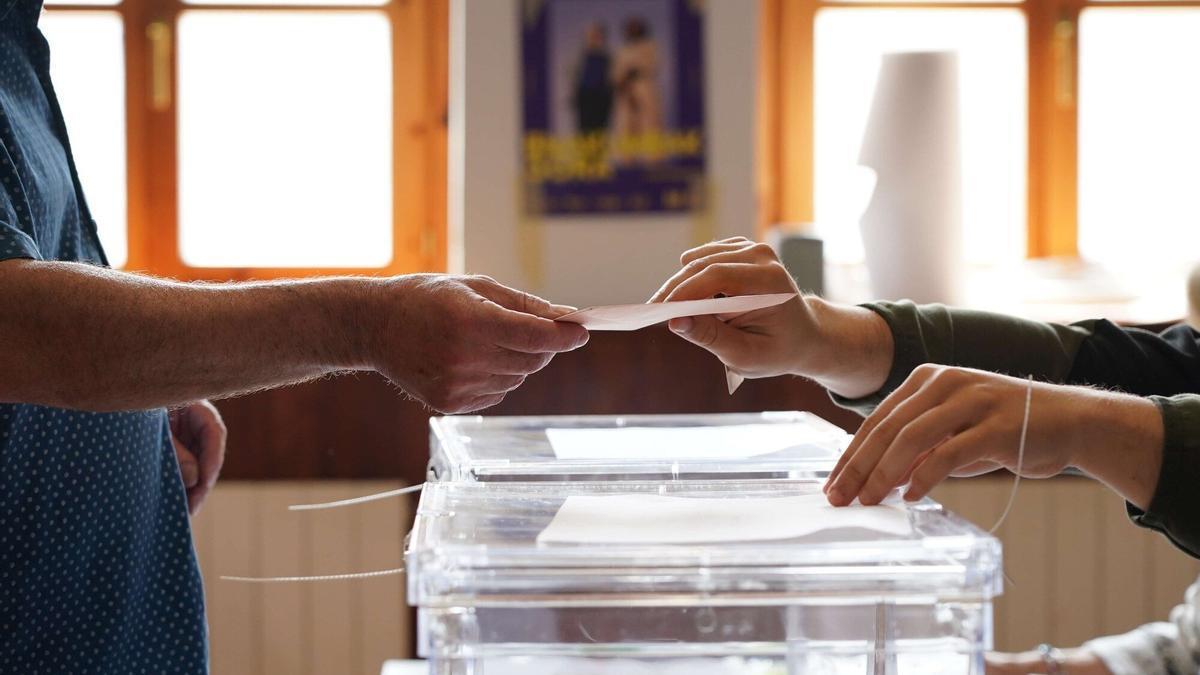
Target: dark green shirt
(1163, 366)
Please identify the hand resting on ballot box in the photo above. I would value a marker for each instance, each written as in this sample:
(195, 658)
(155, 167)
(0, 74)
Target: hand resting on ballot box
(928, 380)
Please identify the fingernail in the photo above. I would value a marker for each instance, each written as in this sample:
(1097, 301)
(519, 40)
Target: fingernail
(681, 325)
(835, 495)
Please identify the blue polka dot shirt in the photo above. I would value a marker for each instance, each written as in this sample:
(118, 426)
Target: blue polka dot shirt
(97, 569)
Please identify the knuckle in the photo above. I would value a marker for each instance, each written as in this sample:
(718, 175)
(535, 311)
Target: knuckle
(762, 250)
(928, 370)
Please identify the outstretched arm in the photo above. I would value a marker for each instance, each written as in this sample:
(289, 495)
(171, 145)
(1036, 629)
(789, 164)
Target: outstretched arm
(83, 337)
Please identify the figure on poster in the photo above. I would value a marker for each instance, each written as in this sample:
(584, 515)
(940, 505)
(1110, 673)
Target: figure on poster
(593, 99)
(635, 74)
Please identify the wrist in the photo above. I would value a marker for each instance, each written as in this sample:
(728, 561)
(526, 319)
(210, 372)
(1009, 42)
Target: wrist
(351, 316)
(1119, 441)
(850, 350)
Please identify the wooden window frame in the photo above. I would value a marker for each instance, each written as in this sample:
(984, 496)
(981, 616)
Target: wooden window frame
(420, 85)
(786, 130)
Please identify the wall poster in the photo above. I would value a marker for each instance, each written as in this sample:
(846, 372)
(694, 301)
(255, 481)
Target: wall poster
(613, 106)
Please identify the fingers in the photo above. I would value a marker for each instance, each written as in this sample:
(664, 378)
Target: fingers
(909, 422)
(482, 402)
(920, 441)
(534, 335)
(520, 301)
(500, 384)
(733, 279)
(525, 322)
(508, 362)
(943, 461)
(188, 468)
(743, 252)
(712, 247)
(901, 393)
(710, 333)
(212, 436)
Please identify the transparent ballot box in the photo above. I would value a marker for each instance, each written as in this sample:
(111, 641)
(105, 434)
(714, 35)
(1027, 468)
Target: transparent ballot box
(633, 447)
(694, 578)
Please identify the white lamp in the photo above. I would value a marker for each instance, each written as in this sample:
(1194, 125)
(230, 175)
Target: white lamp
(912, 227)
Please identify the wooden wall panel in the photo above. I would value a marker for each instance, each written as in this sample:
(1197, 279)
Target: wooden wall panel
(1078, 567)
(348, 627)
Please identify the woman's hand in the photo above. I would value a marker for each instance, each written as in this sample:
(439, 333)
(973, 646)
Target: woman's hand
(1074, 662)
(945, 421)
(848, 349)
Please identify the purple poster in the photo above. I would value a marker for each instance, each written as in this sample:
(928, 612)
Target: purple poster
(613, 104)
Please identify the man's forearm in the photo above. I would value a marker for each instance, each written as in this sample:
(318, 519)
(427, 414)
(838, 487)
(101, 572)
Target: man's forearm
(83, 337)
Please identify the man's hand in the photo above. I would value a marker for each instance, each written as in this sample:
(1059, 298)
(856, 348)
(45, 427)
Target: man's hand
(847, 349)
(1074, 662)
(945, 421)
(460, 344)
(199, 437)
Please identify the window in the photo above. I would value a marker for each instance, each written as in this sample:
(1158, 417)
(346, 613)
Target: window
(260, 138)
(88, 70)
(1139, 181)
(1079, 121)
(849, 43)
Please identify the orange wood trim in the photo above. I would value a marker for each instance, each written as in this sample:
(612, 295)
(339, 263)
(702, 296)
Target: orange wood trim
(795, 121)
(1053, 129)
(768, 133)
(138, 142)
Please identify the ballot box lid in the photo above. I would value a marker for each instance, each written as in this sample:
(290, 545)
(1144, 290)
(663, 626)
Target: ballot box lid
(623, 447)
(659, 543)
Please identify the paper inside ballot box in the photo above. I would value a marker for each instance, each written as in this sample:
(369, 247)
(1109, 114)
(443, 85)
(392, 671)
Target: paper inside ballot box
(661, 519)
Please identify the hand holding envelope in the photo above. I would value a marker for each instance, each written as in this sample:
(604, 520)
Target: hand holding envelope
(634, 317)
(735, 299)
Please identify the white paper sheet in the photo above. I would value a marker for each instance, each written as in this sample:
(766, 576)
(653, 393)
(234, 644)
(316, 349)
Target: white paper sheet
(737, 441)
(634, 317)
(660, 519)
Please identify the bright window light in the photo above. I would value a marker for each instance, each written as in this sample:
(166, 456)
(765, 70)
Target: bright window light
(285, 139)
(87, 66)
(1139, 204)
(991, 44)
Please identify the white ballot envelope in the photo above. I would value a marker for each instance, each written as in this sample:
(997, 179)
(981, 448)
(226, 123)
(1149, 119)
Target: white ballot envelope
(634, 317)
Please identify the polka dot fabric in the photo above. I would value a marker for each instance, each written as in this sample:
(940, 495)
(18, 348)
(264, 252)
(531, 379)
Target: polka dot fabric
(97, 570)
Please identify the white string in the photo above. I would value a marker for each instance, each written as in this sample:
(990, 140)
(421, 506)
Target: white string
(323, 577)
(357, 500)
(1012, 496)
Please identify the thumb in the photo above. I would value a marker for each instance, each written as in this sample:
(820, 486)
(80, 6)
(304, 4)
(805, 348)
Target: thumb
(188, 468)
(724, 341)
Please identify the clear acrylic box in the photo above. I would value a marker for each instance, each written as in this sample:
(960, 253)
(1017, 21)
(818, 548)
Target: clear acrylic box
(633, 447)
(494, 600)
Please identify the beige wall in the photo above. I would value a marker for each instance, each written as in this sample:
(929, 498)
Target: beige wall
(340, 627)
(1078, 567)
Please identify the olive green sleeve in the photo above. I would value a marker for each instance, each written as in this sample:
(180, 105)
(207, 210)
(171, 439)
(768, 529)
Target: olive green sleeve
(971, 339)
(1175, 507)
